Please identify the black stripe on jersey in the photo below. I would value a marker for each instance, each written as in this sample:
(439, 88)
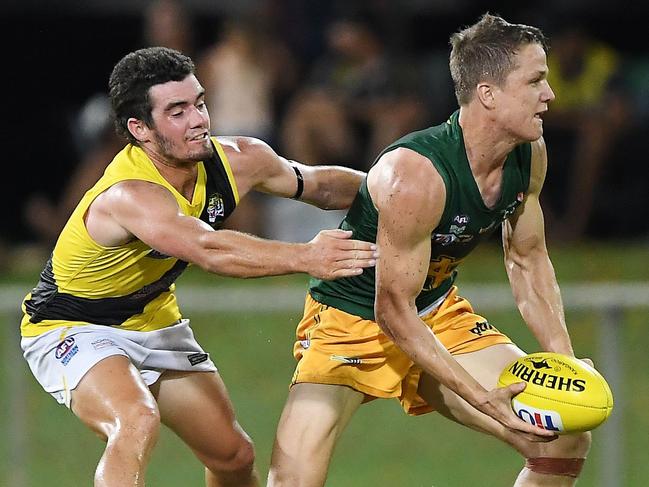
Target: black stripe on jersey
(47, 303)
(219, 196)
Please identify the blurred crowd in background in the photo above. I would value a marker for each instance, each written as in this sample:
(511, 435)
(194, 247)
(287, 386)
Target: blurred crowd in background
(323, 82)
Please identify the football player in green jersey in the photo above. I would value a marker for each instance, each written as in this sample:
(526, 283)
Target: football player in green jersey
(404, 331)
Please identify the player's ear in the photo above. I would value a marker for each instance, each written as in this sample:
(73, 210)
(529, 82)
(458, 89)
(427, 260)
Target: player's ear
(485, 93)
(138, 129)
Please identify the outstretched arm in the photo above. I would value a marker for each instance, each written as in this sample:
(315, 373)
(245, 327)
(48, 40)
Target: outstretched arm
(528, 265)
(408, 212)
(148, 212)
(257, 166)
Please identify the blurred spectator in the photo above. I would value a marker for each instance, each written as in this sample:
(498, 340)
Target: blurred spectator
(97, 142)
(165, 23)
(357, 99)
(584, 123)
(168, 23)
(245, 72)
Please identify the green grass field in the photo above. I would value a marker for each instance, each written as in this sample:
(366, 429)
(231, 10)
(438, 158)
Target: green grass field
(382, 446)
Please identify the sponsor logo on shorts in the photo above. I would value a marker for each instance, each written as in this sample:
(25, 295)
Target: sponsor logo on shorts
(66, 350)
(103, 343)
(347, 360)
(482, 327)
(305, 343)
(197, 358)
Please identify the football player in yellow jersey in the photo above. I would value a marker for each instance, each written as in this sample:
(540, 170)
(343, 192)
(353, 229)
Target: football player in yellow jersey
(429, 199)
(102, 331)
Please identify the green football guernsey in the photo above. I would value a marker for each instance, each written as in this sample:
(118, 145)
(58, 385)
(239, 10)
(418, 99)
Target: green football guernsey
(466, 220)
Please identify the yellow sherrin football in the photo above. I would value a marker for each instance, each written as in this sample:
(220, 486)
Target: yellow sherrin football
(563, 393)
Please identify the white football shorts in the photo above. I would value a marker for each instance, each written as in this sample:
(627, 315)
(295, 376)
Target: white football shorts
(60, 358)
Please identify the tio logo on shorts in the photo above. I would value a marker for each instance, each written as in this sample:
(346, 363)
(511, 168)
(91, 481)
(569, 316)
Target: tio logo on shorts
(548, 420)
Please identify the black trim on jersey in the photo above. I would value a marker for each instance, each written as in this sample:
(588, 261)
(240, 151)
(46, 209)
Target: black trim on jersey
(47, 303)
(217, 187)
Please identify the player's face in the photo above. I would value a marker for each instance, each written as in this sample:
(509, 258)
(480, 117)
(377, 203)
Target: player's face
(181, 124)
(524, 98)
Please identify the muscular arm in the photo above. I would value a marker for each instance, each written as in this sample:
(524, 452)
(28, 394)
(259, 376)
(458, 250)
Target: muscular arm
(148, 212)
(528, 265)
(257, 166)
(408, 212)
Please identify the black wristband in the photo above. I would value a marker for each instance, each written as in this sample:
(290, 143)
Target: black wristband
(300, 183)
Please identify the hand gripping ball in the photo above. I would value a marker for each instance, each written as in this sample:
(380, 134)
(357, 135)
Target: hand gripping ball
(563, 394)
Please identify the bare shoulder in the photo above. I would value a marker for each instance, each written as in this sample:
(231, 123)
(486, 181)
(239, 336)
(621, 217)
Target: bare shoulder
(116, 214)
(539, 165)
(132, 191)
(245, 150)
(407, 179)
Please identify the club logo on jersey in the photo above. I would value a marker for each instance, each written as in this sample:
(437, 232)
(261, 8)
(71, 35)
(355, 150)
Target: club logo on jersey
(215, 207)
(66, 350)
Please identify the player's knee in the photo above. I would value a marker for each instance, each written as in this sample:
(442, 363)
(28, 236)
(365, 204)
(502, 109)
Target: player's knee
(139, 421)
(238, 462)
(570, 446)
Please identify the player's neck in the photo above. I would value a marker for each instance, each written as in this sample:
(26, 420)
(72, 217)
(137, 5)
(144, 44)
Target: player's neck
(180, 174)
(486, 146)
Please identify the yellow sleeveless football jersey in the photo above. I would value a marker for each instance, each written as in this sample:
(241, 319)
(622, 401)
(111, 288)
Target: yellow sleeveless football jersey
(132, 285)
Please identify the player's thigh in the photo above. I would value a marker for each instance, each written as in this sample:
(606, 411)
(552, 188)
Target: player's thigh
(112, 392)
(197, 407)
(313, 418)
(485, 366)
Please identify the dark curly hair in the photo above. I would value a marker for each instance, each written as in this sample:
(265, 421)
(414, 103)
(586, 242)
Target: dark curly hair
(132, 77)
(486, 51)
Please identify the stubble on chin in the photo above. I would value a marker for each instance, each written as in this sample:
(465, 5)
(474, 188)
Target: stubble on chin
(202, 154)
(169, 151)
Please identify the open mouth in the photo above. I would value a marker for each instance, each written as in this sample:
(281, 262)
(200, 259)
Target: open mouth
(539, 115)
(199, 137)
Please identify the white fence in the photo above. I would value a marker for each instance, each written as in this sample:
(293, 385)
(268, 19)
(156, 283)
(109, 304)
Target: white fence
(609, 299)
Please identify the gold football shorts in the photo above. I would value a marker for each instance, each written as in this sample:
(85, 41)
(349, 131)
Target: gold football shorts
(334, 347)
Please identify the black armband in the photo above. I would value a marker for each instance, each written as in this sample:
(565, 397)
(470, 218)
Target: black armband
(300, 183)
